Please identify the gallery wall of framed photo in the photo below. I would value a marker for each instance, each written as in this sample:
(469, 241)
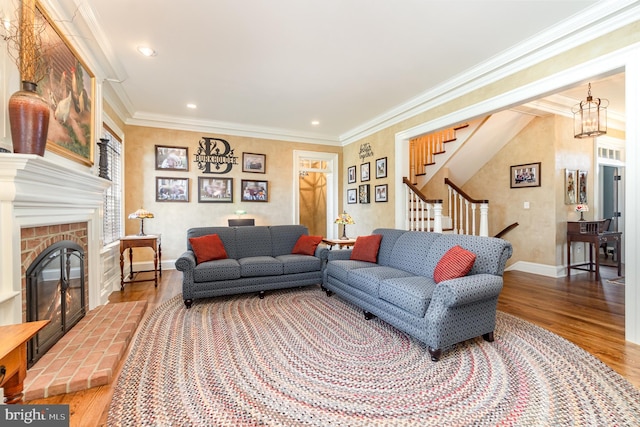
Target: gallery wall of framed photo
(363, 174)
(211, 188)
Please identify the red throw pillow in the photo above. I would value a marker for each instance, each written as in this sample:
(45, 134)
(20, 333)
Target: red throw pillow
(456, 262)
(306, 245)
(366, 248)
(208, 248)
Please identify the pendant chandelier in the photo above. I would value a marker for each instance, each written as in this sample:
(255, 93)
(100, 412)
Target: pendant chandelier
(590, 117)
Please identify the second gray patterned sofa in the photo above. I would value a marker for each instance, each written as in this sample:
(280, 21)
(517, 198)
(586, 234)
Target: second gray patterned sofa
(248, 259)
(400, 288)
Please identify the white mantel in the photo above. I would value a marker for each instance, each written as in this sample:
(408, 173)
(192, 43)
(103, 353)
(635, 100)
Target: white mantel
(35, 191)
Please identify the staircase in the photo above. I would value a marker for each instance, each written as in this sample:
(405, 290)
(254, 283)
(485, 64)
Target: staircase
(424, 148)
(465, 215)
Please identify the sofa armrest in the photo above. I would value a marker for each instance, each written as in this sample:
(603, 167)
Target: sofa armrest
(467, 289)
(186, 262)
(339, 254)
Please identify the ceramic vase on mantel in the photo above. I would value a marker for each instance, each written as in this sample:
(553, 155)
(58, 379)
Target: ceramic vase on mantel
(29, 119)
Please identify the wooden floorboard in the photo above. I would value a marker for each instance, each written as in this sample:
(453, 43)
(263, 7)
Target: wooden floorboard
(587, 312)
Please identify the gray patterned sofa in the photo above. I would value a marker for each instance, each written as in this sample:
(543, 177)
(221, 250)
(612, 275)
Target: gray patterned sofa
(400, 288)
(257, 259)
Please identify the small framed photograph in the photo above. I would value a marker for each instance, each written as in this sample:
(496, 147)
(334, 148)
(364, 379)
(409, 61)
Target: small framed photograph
(254, 163)
(582, 187)
(172, 158)
(364, 172)
(215, 190)
(351, 173)
(381, 193)
(526, 175)
(172, 189)
(255, 191)
(364, 193)
(381, 168)
(570, 186)
(352, 195)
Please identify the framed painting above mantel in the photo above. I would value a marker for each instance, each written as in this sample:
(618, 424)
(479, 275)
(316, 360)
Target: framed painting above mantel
(69, 89)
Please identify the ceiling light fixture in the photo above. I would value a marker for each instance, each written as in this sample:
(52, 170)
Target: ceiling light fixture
(147, 51)
(315, 122)
(192, 106)
(590, 117)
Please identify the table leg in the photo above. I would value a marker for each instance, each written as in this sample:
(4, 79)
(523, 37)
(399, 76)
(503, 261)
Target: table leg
(568, 258)
(130, 263)
(595, 246)
(619, 257)
(121, 271)
(160, 258)
(155, 268)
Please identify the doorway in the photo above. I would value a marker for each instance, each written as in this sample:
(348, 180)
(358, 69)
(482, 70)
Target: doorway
(315, 188)
(611, 184)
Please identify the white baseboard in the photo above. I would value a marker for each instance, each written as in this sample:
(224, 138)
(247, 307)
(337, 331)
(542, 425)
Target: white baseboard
(541, 269)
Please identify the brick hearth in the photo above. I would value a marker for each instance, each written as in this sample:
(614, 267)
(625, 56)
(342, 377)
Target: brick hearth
(87, 356)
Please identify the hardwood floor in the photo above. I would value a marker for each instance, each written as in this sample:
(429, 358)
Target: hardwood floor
(586, 312)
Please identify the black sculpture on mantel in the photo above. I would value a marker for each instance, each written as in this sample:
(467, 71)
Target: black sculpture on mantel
(103, 166)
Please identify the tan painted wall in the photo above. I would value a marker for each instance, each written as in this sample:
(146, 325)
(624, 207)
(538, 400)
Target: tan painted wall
(172, 219)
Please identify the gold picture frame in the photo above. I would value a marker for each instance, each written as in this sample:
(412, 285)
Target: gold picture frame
(69, 89)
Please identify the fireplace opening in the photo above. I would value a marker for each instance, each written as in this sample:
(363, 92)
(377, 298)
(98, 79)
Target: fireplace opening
(55, 292)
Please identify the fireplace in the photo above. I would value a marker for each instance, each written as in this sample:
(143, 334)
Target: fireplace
(44, 202)
(55, 292)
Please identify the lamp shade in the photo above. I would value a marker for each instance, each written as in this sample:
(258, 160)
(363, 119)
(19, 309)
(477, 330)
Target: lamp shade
(140, 214)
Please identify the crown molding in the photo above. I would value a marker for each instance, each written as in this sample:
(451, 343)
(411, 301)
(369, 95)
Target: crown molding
(225, 128)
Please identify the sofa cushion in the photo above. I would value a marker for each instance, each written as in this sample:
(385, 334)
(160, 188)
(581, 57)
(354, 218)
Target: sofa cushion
(366, 248)
(368, 279)
(306, 245)
(253, 242)
(340, 268)
(456, 262)
(221, 269)
(208, 248)
(412, 294)
(295, 263)
(411, 250)
(284, 238)
(260, 266)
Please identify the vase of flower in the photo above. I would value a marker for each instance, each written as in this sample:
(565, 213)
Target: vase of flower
(29, 120)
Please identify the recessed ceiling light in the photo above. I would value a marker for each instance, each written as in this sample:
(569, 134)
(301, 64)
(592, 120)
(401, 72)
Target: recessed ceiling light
(315, 122)
(192, 106)
(147, 51)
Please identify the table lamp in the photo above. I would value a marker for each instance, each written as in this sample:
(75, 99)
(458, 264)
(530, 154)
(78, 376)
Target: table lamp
(141, 214)
(344, 218)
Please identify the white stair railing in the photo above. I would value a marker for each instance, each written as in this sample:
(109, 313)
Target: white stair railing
(421, 214)
(468, 216)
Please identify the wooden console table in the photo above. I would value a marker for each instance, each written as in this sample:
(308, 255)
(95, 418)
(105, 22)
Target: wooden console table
(13, 357)
(591, 232)
(148, 241)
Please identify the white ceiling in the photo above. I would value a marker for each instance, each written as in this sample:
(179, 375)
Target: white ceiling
(280, 64)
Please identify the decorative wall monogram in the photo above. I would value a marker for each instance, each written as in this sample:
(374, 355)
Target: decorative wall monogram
(216, 152)
(365, 151)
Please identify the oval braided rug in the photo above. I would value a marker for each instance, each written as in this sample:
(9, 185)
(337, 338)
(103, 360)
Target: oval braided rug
(298, 357)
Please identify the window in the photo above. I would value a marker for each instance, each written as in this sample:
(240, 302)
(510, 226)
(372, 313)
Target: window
(112, 225)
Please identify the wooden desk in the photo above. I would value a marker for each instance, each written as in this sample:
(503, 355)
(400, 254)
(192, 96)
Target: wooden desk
(148, 241)
(591, 232)
(13, 357)
(340, 242)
